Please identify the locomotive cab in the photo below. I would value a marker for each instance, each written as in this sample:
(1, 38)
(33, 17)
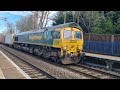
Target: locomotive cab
(72, 45)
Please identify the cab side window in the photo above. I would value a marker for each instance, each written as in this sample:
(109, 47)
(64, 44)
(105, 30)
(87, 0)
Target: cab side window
(56, 35)
(16, 38)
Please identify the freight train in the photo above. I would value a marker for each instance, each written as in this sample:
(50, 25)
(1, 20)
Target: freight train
(62, 43)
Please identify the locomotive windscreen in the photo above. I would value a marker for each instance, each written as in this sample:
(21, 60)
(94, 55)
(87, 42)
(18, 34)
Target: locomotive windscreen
(67, 34)
(77, 35)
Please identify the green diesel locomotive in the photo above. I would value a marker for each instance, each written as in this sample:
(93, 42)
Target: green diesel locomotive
(62, 43)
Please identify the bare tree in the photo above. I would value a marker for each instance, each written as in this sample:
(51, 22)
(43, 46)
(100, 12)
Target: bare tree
(42, 18)
(37, 20)
(26, 23)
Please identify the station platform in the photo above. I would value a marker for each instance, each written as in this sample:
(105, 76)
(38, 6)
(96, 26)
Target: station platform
(9, 70)
(113, 58)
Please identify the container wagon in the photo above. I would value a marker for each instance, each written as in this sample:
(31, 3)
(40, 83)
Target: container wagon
(3, 39)
(8, 39)
(0, 39)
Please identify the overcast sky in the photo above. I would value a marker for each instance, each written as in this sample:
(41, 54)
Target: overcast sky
(13, 16)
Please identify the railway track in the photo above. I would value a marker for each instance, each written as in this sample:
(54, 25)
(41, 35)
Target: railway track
(93, 72)
(84, 71)
(32, 71)
(109, 74)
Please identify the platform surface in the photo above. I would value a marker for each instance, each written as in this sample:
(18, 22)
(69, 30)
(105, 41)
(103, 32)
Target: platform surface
(114, 58)
(9, 70)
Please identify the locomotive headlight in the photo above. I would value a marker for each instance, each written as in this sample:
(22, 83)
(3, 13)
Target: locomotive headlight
(65, 48)
(79, 47)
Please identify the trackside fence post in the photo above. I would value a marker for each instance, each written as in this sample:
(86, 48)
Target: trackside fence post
(112, 40)
(89, 43)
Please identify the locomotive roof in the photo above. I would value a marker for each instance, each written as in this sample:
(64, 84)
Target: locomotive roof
(71, 24)
(31, 31)
(52, 28)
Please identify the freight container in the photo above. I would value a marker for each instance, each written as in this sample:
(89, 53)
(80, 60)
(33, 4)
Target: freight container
(3, 39)
(0, 39)
(9, 39)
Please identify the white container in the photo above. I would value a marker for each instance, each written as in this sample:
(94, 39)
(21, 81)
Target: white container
(9, 39)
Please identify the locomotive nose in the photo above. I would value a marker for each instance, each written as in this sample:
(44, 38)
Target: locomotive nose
(72, 46)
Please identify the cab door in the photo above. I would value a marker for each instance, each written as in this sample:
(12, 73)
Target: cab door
(56, 39)
(45, 37)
